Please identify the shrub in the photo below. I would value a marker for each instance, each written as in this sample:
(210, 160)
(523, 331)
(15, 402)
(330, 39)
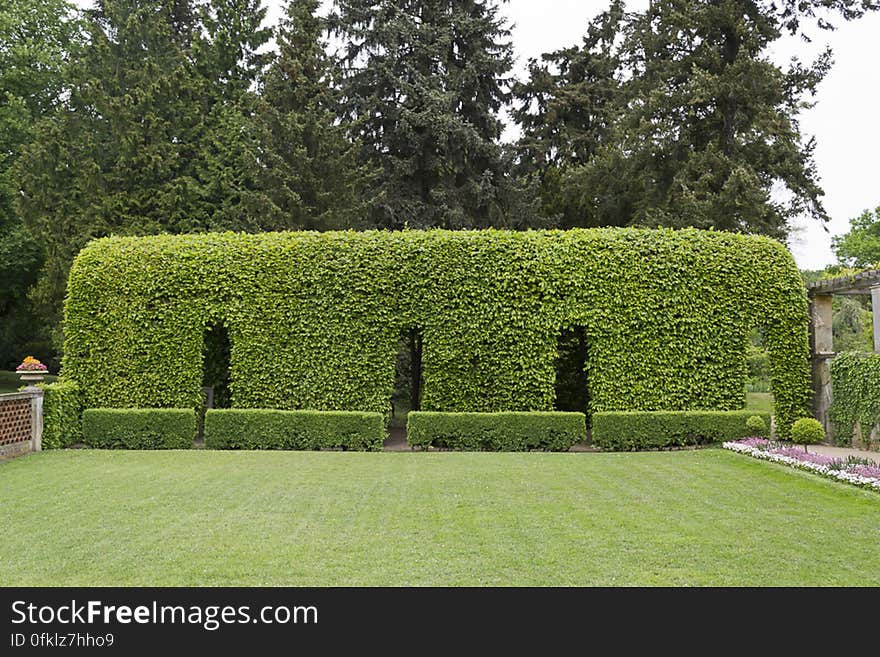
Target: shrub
(659, 429)
(807, 431)
(274, 429)
(756, 426)
(499, 432)
(62, 414)
(139, 428)
(314, 319)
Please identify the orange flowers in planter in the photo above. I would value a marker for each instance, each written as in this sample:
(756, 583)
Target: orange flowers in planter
(31, 364)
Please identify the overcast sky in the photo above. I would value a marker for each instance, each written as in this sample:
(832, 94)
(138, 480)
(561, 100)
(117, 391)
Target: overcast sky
(845, 122)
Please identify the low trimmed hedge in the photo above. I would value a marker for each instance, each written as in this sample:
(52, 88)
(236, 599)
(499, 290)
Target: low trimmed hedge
(62, 414)
(634, 430)
(240, 428)
(139, 428)
(497, 432)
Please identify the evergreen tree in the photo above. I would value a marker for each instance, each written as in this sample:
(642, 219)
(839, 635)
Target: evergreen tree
(231, 57)
(312, 170)
(704, 127)
(35, 38)
(566, 110)
(424, 82)
(157, 134)
(115, 159)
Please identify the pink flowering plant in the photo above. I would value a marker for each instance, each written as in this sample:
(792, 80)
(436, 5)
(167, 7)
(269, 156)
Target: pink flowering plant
(852, 471)
(31, 364)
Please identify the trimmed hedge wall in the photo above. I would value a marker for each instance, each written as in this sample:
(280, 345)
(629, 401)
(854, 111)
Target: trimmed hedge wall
(314, 319)
(139, 428)
(496, 432)
(273, 429)
(62, 414)
(855, 380)
(655, 430)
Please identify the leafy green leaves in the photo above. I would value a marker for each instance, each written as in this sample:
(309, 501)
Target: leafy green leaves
(314, 319)
(272, 429)
(855, 380)
(497, 432)
(139, 428)
(657, 430)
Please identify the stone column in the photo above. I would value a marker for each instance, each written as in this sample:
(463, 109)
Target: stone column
(875, 313)
(822, 348)
(36, 417)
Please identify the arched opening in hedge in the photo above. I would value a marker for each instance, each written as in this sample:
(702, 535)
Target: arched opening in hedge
(571, 386)
(216, 350)
(408, 378)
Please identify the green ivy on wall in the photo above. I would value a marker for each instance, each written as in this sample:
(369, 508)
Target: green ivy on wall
(315, 319)
(855, 382)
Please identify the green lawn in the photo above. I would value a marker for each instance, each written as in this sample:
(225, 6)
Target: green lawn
(88, 517)
(761, 402)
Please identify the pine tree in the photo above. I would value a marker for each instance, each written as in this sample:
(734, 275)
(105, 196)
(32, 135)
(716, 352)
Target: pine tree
(156, 136)
(114, 160)
(35, 39)
(710, 127)
(231, 58)
(424, 82)
(702, 129)
(566, 110)
(312, 170)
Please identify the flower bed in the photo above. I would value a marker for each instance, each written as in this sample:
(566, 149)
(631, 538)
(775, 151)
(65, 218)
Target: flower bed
(860, 474)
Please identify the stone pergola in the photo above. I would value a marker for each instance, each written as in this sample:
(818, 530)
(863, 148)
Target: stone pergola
(821, 294)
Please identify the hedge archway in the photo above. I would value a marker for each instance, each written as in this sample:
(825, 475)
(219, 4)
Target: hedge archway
(315, 318)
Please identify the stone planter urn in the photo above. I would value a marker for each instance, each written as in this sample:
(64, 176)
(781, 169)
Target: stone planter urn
(31, 376)
(31, 371)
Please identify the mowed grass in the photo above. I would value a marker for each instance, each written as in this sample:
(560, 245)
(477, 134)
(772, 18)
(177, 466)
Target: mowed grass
(760, 402)
(709, 517)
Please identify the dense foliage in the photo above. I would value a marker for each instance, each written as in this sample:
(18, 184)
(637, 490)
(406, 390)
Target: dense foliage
(860, 247)
(678, 116)
(315, 319)
(657, 430)
(496, 432)
(294, 430)
(807, 431)
(134, 117)
(62, 414)
(139, 428)
(423, 83)
(855, 380)
(35, 39)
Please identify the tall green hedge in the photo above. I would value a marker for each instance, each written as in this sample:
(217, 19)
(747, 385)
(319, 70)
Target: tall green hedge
(855, 382)
(314, 319)
(62, 414)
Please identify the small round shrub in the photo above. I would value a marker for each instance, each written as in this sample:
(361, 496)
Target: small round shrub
(807, 431)
(756, 426)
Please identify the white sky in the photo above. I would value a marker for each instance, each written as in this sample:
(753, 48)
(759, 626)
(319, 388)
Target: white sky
(845, 120)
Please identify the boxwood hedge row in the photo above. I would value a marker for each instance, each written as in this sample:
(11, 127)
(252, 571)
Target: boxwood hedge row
(496, 432)
(139, 428)
(270, 429)
(314, 319)
(635, 430)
